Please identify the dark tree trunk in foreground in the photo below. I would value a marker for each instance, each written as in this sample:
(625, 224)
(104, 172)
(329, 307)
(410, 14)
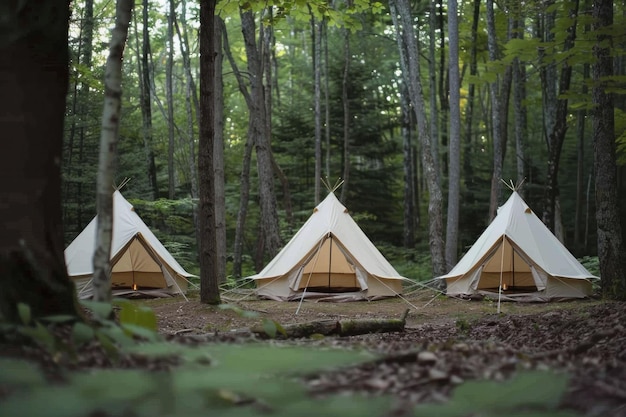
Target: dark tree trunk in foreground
(209, 280)
(610, 245)
(34, 82)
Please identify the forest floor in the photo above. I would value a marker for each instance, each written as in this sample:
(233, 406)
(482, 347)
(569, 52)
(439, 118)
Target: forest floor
(463, 340)
(445, 343)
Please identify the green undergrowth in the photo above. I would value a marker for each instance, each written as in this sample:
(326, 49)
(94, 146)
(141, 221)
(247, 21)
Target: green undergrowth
(227, 379)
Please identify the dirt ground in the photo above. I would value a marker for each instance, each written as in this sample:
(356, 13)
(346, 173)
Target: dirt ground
(445, 342)
(178, 316)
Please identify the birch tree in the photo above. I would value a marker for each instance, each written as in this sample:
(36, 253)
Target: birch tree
(108, 151)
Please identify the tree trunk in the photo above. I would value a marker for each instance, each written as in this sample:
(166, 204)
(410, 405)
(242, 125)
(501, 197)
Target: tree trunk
(610, 245)
(432, 78)
(316, 29)
(345, 101)
(556, 131)
(454, 153)
(519, 95)
(581, 116)
(258, 124)
(409, 184)
(407, 46)
(218, 156)
(169, 91)
(111, 114)
(468, 171)
(244, 183)
(34, 75)
(209, 280)
(146, 106)
(496, 114)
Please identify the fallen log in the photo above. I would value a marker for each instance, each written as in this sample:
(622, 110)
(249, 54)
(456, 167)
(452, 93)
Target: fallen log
(351, 327)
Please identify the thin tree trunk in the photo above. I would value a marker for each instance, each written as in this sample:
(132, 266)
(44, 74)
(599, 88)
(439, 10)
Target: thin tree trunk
(410, 68)
(345, 100)
(496, 115)
(317, 86)
(409, 184)
(244, 183)
(432, 77)
(519, 96)
(581, 116)
(209, 279)
(108, 152)
(556, 135)
(610, 245)
(170, 100)
(218, 156)
(34, 73)
(454, 153)
(468, 171)
(258, 124)
(146, 106)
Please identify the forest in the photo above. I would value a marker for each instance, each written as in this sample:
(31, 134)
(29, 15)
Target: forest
(225, 123)
(504, 100)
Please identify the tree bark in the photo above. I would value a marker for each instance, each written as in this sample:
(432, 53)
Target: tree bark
(407, 46)
(169, 91)
(519, 95)
(352, 327)
(610, 245)
(111, 114)
(454, 153)
(209, 280)
(34, 81)
(316, 33)
(345, 101)
(146, 103)
(432, 80)
(496, 115)
(556, 131)
(218, 156)
(468, 171)
(258, 125)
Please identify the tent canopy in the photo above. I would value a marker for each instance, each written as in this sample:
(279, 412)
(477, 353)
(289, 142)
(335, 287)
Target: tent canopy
(519, 254)
(329, 255)
(139, 261)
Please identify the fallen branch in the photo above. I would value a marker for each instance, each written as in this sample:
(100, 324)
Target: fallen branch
(350, 327)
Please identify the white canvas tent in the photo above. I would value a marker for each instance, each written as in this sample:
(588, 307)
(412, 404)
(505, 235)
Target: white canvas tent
(140, 263)
(519, 255)
(330, 257)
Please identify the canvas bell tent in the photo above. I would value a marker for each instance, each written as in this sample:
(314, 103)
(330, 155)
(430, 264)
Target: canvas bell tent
(517, 257)
(329, 257)
(140, 264)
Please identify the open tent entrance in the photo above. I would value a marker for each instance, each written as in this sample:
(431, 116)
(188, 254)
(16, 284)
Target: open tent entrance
(329, 269)
(138, 268)
(507, 268)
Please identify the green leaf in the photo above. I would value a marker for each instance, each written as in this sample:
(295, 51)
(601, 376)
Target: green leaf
(20, 373)
(82, 333)
(142, 316)
(100, 309)
(24, 312)
(60, 318)
(41, 335)
(269, 327)
(140, 331)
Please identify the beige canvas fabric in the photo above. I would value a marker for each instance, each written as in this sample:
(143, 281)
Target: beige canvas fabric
(139, 261)
(518, 254)
(330, 255)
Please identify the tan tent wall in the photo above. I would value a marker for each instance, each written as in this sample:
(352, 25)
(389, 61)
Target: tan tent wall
(384, 287)
(329, 280)
(567, 287)
(510, 279)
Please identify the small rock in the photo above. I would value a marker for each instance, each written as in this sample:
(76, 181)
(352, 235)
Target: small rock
(437, 375)
(426, 357)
